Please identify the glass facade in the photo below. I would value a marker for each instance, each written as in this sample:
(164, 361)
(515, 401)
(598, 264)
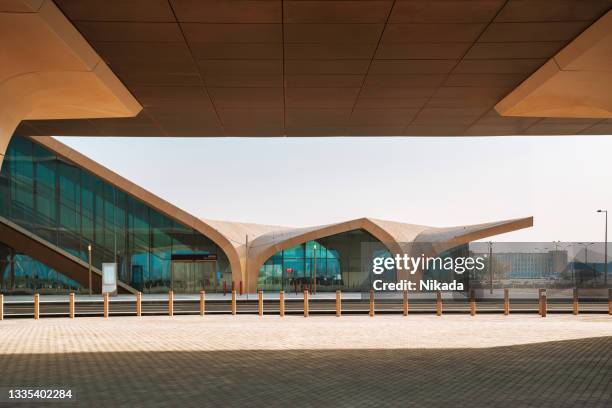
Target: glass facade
(20, 274)
(435, 272)
(72, 208)
(343, 261)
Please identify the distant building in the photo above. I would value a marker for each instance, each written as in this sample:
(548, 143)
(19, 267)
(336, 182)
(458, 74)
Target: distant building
(526, 265)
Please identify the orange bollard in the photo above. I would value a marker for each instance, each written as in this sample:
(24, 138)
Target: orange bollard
(170, 303)
(305, 302)
(338, 303)
(575, 302)
(281, 303)
(202, 304)
(438, 303)
(233, 302)
(506, 301)
(610, 301)
(36, 306)
(260, 303)
(106, 305)
(139, 304)
(405, 303)
(544, 305)
(540, 301)
(1, 306)
(372, 311)
(472, 303)
(71, 305)
(241, 288)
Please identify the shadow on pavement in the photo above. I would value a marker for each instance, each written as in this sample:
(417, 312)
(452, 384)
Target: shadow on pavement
(566, 373)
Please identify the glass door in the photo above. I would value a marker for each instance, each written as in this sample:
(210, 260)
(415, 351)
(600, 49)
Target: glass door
(183, 277)
(205, 273)
(193, 276)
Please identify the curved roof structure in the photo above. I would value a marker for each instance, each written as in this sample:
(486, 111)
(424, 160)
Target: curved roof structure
(398, 237)
(247, 245)
(332, 68)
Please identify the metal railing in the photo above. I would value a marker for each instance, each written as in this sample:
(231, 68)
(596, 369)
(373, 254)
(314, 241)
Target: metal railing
(307, 305)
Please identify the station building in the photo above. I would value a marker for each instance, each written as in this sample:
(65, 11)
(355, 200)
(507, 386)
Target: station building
(54, 198)
(276, 68)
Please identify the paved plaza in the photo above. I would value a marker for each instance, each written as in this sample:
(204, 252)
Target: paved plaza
(459, 360)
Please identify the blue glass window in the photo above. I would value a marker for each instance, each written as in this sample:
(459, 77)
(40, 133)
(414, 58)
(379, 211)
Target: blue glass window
(72, 208)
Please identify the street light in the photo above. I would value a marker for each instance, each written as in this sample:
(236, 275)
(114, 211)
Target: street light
(89, 257)
(491, 267)
(586, 253)
(605, 248)
(314, 288)
(559, 248)
(586, 245)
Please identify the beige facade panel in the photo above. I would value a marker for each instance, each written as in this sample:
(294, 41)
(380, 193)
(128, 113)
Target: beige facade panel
(575, 83)
(256, 65)
(48, 71)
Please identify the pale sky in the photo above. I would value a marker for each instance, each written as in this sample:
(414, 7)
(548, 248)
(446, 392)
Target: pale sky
(560, 180)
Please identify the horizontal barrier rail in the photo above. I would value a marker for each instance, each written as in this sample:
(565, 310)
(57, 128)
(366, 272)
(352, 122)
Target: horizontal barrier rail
(78, 306)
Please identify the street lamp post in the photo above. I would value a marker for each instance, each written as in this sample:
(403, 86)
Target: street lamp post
(562, 247)
(314, 287)
(490, 267)
(89, 258)
(605, 247)
(586, 253)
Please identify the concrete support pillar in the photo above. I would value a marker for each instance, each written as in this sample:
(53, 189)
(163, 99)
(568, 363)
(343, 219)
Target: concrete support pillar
(6, 131)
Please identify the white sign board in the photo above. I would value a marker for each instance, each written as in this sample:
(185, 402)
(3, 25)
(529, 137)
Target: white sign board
(109, 278)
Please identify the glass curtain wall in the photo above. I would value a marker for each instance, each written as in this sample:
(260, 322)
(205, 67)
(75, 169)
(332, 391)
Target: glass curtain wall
(445, 275)
(343, 261)
(72, 208)
(20, 274)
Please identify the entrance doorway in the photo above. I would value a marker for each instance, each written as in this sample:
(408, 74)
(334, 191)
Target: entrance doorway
(193, 276)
